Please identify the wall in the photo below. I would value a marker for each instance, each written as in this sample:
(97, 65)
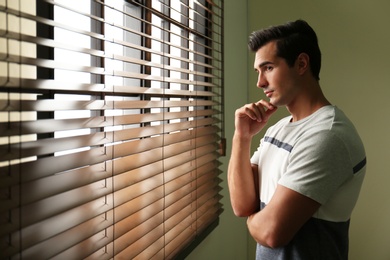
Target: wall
(354, 37)
(229, 239)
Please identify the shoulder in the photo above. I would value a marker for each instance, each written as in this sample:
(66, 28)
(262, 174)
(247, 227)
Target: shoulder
(329, 126)
(324, 145)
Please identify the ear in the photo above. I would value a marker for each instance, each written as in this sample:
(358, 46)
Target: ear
(303, 63)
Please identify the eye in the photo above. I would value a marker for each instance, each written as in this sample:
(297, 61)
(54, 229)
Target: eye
(269, 68)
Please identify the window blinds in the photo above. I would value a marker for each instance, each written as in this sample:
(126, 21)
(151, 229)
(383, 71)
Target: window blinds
(110, 127)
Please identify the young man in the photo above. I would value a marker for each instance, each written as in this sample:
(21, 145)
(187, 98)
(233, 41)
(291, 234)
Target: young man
(299, 188)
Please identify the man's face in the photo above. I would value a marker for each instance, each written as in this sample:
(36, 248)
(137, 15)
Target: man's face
(278, 81)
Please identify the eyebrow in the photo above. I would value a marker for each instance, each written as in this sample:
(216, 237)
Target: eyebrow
(263, 64)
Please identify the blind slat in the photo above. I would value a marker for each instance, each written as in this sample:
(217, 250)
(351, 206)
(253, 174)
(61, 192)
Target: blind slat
(153, 238)
(52, 125)
(126, 193)
(131, 237)
(56, 105)
(96, 70)
(41, 231)
(18, 13)
(15, 83)
(96, 233)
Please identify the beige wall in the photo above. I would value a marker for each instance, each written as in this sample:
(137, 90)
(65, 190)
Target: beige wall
(354, 37)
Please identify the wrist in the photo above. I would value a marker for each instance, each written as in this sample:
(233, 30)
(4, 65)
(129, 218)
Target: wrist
(242, 137)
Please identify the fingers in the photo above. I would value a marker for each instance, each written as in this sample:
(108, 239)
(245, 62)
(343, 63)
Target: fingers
(259, 111)
(266, 104)
(254, 111)
(270, 109)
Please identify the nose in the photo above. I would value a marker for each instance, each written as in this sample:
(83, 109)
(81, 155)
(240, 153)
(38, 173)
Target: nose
(261, 80)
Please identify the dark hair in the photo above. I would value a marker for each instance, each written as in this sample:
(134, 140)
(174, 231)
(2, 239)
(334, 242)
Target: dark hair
(292, 39)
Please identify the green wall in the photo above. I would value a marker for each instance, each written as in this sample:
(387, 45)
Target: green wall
(229, 239)
(354, 37)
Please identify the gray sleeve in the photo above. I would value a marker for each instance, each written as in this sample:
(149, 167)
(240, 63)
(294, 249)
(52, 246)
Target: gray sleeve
(318, 165)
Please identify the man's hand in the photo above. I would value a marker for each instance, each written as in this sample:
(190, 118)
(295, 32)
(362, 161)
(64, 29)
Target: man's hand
(251, 118)
(242, 175)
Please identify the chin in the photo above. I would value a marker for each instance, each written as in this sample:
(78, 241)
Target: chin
(274, 102)
(277, 102)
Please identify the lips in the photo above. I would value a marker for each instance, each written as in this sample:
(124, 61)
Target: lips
(268, 93)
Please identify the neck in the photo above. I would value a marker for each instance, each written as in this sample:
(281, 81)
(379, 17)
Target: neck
(309, 101)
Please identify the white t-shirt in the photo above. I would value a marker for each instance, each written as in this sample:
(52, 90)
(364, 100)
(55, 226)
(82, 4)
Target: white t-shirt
(321, 157)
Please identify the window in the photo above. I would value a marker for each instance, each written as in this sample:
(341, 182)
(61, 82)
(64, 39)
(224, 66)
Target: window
(111, 127)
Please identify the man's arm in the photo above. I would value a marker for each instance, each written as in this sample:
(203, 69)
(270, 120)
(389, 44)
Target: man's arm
(242, 175)
(243, 179)
(276, 224)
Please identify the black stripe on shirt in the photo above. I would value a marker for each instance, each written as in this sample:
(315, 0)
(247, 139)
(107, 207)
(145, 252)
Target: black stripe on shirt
(360, 165)
(278, 143)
